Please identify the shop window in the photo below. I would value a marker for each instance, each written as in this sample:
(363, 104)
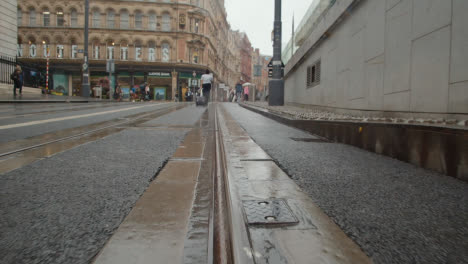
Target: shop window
(60, 18)
(46, 18)
(152, 21)
(19, 17)
(73, 18)
(60, 51)
(165, 52)
(166, 22)
(32, 17)
(110, 19)
(96, 19)
(138, 20)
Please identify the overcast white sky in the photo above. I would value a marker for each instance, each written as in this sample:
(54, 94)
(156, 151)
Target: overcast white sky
(255, 17)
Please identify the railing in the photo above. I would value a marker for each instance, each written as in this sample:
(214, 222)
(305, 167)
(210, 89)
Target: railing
(7, 67)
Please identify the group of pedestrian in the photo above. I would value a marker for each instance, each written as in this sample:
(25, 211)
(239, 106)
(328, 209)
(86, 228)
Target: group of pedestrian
(17, 77)
(239, 93)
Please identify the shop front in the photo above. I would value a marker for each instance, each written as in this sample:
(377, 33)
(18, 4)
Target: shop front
(160, 84)
(187, 81)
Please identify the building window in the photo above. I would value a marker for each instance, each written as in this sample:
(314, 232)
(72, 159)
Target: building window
(138, 20)
(196, 26)
(46, 18)
(110, 51)
(60, 51)
(20, 17)
(73, 18)
(96, 51)
(313, 74)
(166, 22)
(74, 51)
(195, 56)
(165, 52)
(32, 17)
(96, 19)
(151, 51)
(60, 18)
(138, 51)
(124, 52)
(152, 21)
(110, 19)
(124, 20)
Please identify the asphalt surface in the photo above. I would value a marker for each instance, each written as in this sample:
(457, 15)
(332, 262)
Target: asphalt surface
(64, 208)
(11, 134)
(396, 212)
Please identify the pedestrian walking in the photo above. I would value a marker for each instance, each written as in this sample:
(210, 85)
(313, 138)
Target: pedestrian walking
(206, 80)
(17, 77)
(246, 93)
(238, 91)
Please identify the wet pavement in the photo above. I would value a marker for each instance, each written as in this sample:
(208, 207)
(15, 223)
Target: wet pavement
(299, 233)
(396, 212)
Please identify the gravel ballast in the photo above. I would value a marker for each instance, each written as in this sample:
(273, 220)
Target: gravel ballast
(64, 208)
(396, 212)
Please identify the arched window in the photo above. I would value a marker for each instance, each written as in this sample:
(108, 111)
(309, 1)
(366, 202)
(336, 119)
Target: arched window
(138, 51)
(138, 20)
(166, 22)
(151, 51)
(124, 50)
(60, 18)
(32, 17)
(73, 18)
(124, 19)
(110, 50)
(110, 19)
(165, 52)
(45, 17)
(19, 17)
(96, 19)
(152, 21)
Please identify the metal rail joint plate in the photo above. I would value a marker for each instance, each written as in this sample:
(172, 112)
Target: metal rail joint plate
(268, 212)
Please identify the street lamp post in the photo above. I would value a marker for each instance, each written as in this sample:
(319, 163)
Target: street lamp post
(276, 93)
(85, 84)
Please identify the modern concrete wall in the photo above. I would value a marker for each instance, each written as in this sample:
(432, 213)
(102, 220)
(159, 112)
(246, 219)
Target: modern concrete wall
(386, 55)
(8, 27)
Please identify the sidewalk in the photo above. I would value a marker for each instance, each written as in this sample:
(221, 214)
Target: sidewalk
(47, 98)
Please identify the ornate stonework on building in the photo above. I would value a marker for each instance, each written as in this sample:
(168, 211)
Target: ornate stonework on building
(162, 42)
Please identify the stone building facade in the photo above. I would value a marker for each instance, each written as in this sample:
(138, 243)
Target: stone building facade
(406, 57)
(162, 42)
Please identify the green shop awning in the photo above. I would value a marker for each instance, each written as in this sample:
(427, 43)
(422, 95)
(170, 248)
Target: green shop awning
(188, 75)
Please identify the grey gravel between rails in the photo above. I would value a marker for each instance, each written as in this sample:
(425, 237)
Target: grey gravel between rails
(64, 208)
(396, 212)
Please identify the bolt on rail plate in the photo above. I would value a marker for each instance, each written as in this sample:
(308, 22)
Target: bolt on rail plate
(269, 212)
(319, 140)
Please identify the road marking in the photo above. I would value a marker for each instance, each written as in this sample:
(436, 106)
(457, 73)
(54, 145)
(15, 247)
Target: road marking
(31, 123)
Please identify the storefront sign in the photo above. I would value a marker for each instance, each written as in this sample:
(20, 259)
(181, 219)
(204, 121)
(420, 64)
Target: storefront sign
(160, 74)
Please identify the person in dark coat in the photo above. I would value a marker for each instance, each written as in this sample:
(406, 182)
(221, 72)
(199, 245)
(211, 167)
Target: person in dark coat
(17, 80)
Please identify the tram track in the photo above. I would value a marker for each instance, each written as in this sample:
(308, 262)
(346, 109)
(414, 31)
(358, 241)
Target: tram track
(21, 148)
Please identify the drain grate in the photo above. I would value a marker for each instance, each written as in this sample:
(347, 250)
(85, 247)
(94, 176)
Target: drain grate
(268, 212)
(310, 140)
